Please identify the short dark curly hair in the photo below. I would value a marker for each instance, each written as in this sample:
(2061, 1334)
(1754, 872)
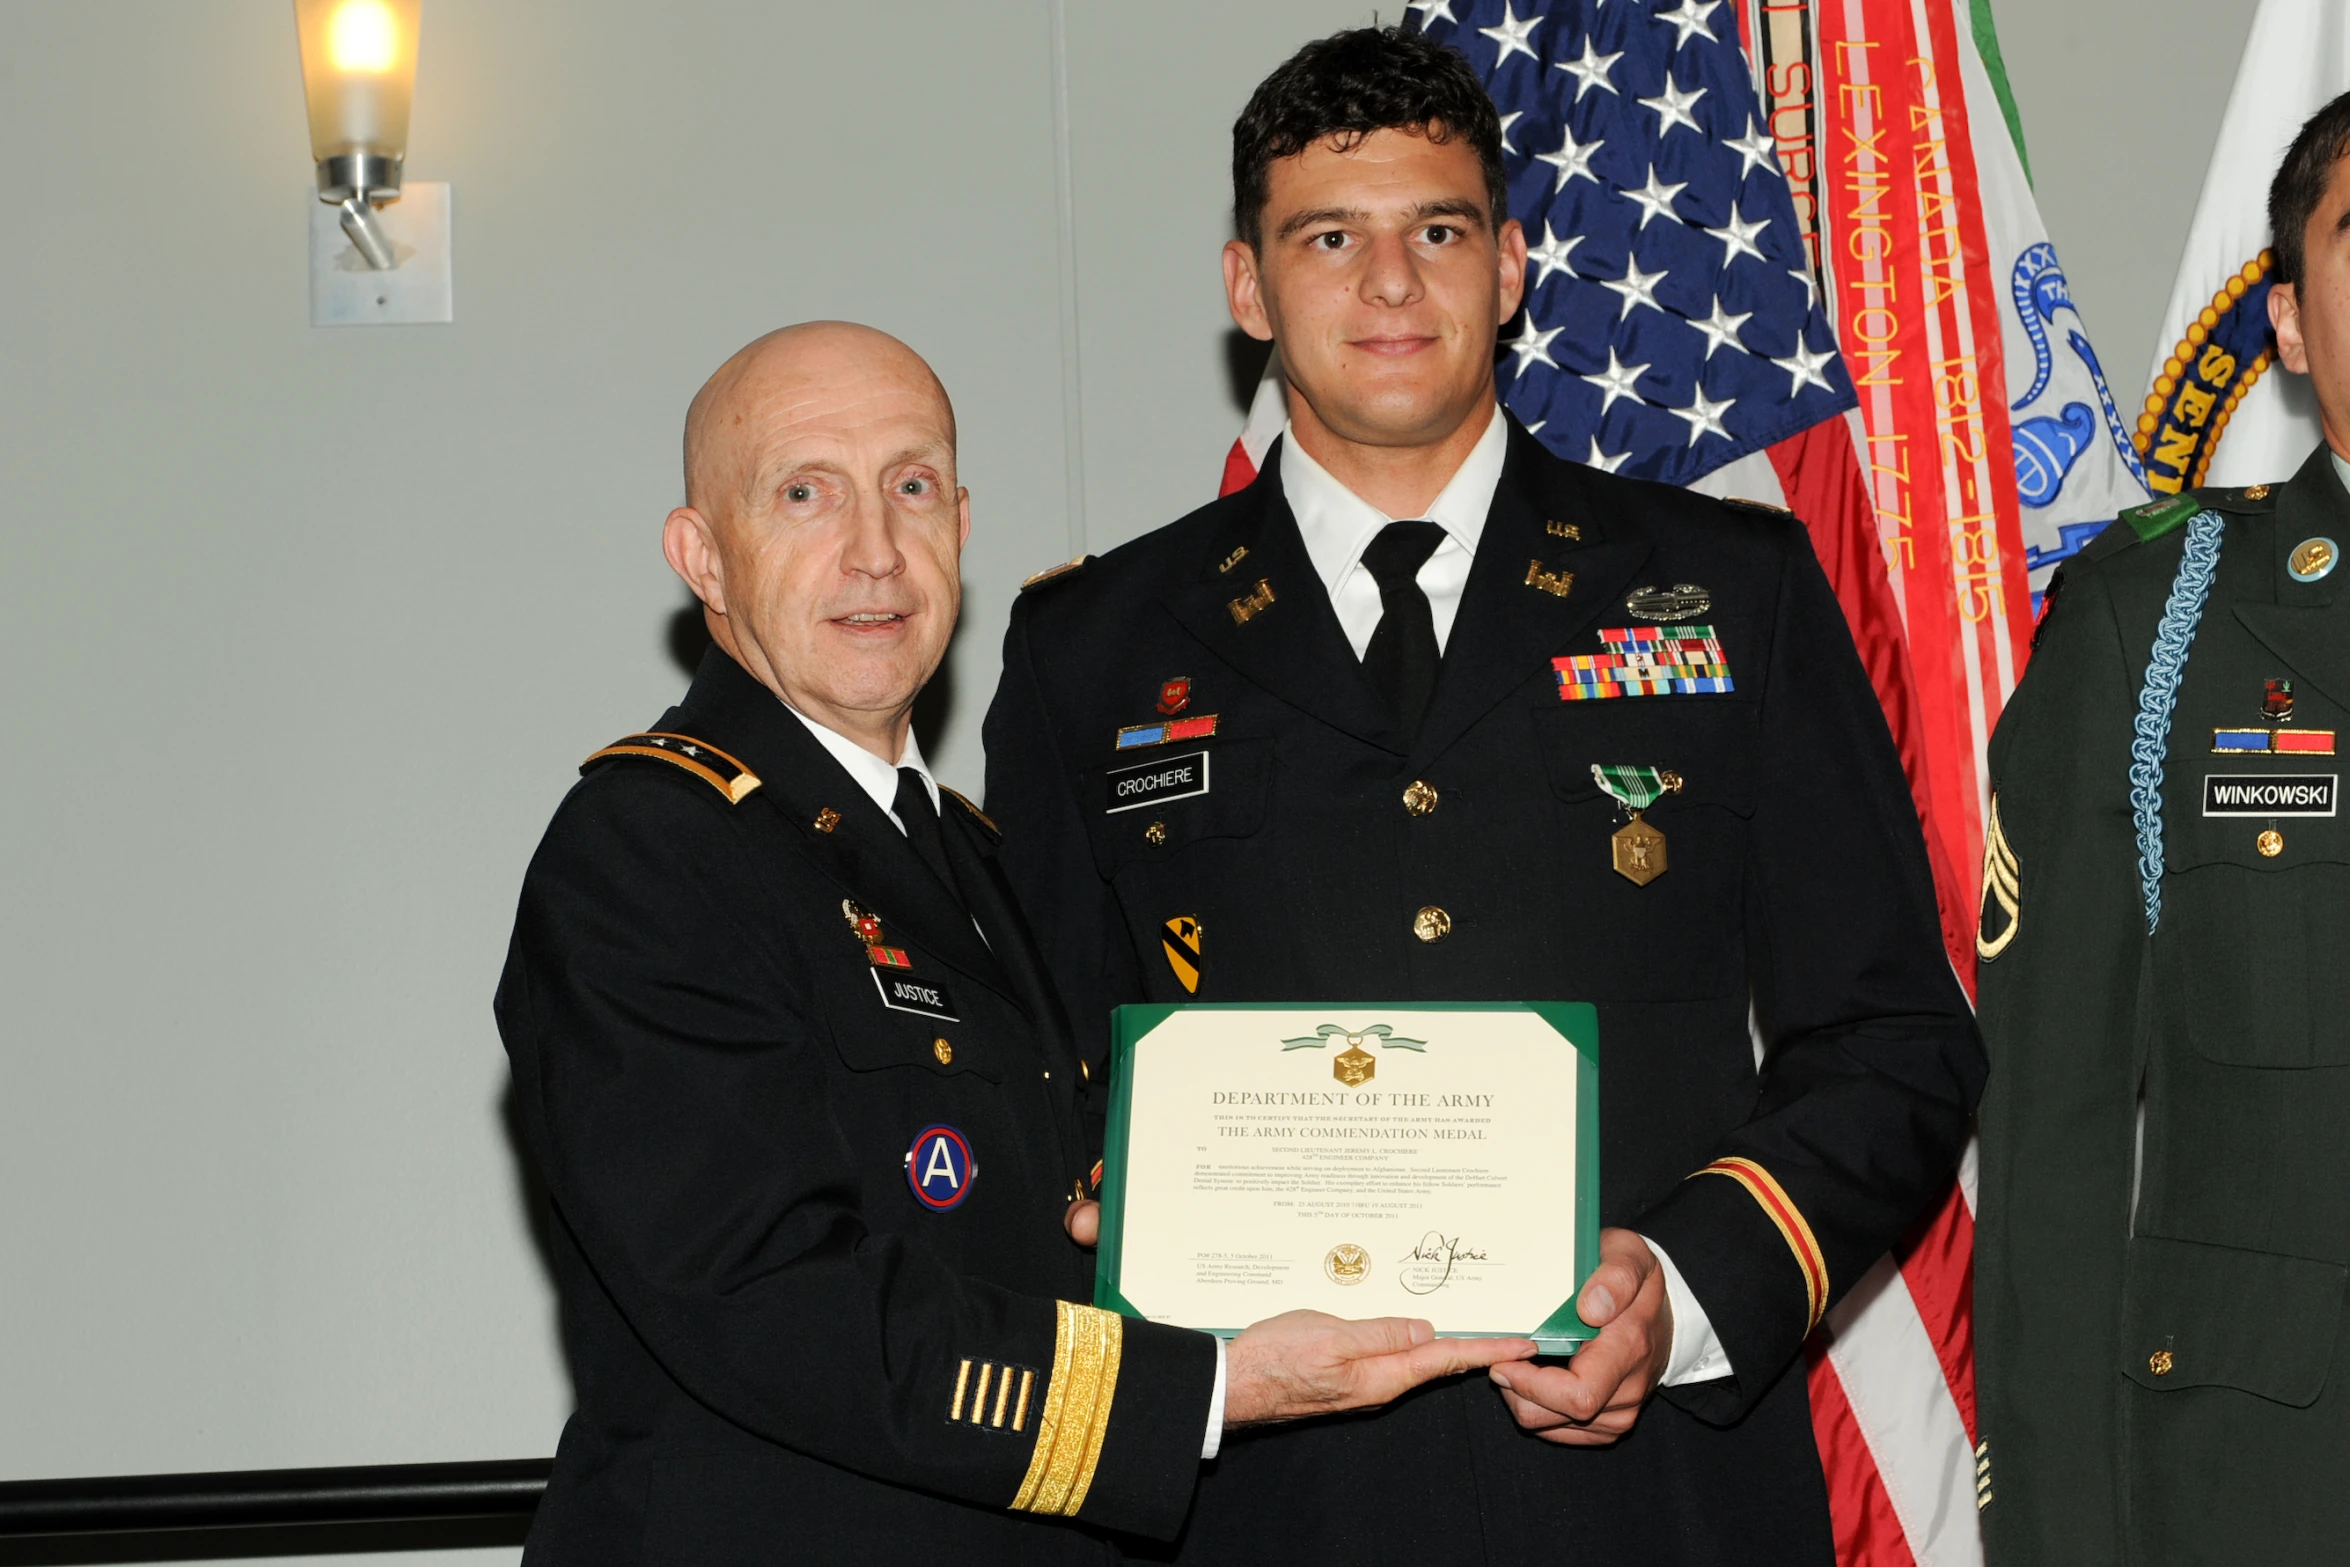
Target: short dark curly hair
(1351, 84)
(2301, 183)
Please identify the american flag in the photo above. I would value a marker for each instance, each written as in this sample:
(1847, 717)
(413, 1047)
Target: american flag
(1671, 322)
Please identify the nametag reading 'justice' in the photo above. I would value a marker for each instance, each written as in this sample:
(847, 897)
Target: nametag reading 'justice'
(1151, 783)
(902, 993)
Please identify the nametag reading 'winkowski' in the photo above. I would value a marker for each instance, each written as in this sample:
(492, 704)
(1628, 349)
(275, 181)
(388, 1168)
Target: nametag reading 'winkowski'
(901, 993)
(1150, 783)
(2272, 794)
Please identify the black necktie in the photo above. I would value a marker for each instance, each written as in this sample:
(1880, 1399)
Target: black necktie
(1401, 660)
(913, 807)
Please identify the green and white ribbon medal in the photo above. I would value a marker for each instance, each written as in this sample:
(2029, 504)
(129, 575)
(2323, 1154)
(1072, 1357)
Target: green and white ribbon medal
(1639, 849)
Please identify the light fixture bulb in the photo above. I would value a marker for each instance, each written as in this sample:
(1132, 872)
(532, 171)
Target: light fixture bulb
(358, 75)
(363, 36)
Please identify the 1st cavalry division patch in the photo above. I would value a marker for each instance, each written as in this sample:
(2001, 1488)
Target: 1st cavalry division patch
(1180, 937)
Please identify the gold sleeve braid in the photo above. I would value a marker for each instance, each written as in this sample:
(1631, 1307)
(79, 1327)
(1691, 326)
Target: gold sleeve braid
(1076, 1416)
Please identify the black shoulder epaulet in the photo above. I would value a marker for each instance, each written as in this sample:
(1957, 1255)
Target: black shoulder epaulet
(1758, 508)
(1067, 568)
(984, 819)
(2156, 519)
(2047, 607)
(699, 757)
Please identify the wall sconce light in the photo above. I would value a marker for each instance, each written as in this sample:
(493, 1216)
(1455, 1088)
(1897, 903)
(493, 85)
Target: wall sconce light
(358, 75)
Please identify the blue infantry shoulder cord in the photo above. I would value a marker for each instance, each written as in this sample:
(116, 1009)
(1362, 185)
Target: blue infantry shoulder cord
(2172, 638)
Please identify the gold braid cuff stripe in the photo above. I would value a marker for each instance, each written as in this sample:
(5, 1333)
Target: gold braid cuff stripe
(1789, 1220)
(1087, 1343)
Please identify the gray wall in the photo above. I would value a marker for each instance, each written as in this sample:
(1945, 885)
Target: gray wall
(301, 632)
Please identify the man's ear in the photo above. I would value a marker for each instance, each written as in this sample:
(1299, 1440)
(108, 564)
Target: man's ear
(691, 548)
(1244, 291)
(1513, 268)
(2284, 317)
(963, 510)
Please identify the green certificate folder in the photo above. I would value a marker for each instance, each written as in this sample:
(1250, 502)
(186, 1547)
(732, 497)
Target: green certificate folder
(1422, 1159)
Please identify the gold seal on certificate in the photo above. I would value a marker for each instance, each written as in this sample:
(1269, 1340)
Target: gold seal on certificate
(1422, 1159)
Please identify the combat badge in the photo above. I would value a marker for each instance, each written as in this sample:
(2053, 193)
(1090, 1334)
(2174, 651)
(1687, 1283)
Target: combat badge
(940, 1168)
(1174, 695)
(1681, 601)
(1638, 848)
(1181, 937)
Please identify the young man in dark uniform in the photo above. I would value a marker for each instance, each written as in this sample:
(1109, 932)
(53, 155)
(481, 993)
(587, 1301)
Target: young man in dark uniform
(811, 1117)
(1353, 673)
(2164, 1224)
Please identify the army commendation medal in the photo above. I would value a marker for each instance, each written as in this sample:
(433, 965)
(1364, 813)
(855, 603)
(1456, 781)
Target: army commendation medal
(1639, 848)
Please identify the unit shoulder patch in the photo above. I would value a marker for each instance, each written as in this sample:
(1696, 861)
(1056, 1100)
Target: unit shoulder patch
(977, 814)
(699, 757)
(1067, 568)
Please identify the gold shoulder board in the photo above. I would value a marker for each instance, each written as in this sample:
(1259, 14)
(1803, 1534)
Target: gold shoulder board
(699, 757)
(1054, 573)
(960, 799)
(1759, 508)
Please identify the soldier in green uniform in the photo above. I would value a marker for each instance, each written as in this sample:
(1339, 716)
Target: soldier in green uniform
(2165, 991)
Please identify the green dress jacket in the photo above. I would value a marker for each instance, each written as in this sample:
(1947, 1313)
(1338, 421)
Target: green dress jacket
(2159, 1317)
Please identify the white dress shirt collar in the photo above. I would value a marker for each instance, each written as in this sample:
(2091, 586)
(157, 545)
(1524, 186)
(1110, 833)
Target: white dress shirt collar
(873, 775)
(1338, 525)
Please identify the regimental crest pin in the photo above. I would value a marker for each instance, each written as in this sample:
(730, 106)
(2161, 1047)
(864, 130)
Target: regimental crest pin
(2276, 701)
(1681, 601)
(1175, 695)
(865, 925)
(1181, 938)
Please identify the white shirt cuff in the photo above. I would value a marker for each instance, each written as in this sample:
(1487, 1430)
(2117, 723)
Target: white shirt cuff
(1213, 1442)
(1697, 1355)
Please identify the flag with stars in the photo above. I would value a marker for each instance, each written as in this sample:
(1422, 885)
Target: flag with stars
(1671, 323)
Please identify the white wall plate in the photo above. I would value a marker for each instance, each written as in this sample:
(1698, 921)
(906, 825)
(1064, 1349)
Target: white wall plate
(346, 291)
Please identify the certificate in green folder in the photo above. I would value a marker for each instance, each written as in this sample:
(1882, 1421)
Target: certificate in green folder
(1423, 1159)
